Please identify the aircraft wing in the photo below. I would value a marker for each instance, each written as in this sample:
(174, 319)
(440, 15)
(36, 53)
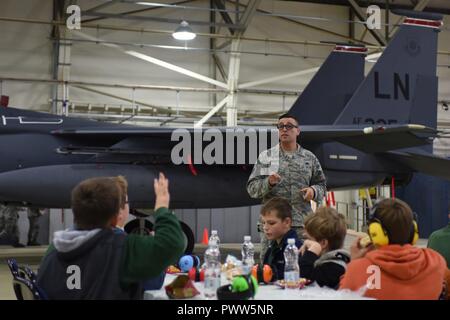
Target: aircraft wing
(371, 139)
(423, 162)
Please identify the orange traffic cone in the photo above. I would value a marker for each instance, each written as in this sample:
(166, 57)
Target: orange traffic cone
(205, 236)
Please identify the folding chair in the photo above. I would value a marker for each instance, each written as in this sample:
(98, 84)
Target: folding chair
(25, 282)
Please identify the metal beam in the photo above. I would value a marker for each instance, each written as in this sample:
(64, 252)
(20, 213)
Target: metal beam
(225, 16)
(58, 14)
(351, 26)
(362, 16)
(312, 27)
(219, 65)
(175, 68)
(386, 21)
(103, 5)
(133, 11)
(144, 30)
(159, 19)
(248, 14)
(212, 58)
(235, 62)
(158, 62)
(224, 44)
(365, 3)
(214, 110)
(294, 74)
(233, 78)
(150, 87)
(276, 78)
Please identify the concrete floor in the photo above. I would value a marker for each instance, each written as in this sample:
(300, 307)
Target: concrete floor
(31, 256)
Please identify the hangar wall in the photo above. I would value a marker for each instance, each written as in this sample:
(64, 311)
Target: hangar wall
(232, 224)
(26, 50)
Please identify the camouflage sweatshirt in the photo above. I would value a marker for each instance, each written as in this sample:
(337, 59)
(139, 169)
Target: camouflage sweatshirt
(298, 170)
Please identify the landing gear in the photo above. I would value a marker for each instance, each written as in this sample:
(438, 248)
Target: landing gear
(142, 226)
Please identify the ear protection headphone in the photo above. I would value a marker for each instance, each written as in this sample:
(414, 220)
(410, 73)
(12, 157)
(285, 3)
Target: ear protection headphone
(187, 262)
(263, 273)
(196, 274)
(242, 288)
(380, 235)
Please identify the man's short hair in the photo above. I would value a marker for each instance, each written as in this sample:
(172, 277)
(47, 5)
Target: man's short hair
(397, 218)
(287, 115)
(280, 206)
(95, 202)
(327, 224)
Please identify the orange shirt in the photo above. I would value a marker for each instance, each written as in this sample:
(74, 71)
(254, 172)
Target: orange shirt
(406, 272)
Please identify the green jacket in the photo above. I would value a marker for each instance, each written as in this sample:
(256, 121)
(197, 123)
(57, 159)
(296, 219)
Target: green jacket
(440, 242)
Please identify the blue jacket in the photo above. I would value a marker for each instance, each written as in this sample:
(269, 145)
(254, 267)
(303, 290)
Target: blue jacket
(275, 253)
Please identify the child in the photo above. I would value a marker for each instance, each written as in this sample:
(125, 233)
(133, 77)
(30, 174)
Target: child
(93, 261)
(124, 212)
(276, 218)
(394, 268)
(322, 258)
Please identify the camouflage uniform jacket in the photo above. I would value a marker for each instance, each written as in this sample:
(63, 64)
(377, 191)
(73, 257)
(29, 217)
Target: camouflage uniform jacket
(298, 170)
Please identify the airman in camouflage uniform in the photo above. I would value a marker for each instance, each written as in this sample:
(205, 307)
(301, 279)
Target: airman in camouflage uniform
(33, 217)
(298, 176)
(9, 230)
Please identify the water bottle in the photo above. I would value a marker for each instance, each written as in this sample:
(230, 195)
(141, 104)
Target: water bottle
(248, 252)
(291, 268)
(212, 270)
(214, 236)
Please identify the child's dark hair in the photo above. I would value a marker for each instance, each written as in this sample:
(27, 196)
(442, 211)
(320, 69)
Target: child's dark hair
(123, 185)
(280, 205)
(95, 202)
(327, 224)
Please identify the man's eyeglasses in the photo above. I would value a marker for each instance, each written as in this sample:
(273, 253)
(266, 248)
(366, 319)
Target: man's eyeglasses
(286, 126)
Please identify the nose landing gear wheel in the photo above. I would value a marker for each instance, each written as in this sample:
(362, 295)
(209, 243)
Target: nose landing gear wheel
(145, 227)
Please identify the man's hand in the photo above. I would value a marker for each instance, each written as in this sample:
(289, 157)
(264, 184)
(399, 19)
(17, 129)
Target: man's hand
(357, 252)
(308, 193)
(312, 246)
(274, 179)
(161, 186)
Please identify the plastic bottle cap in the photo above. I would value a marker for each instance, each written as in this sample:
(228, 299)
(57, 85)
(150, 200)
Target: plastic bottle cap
(247, 238)
(214, 232)
(291, 241)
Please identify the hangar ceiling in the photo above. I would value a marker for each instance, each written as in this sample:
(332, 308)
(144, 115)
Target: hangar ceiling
(232, 38)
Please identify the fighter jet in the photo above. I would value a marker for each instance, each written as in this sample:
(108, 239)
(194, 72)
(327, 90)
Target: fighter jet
(363, 131)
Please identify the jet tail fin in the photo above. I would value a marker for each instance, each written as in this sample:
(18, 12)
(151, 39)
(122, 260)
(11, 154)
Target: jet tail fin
(402, 86)
(332, 86)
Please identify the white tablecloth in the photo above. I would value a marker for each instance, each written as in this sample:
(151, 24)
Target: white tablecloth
(267, 292)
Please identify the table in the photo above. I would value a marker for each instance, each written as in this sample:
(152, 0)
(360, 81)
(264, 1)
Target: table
(267, 292)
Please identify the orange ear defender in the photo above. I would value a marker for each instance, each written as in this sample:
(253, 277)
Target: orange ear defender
(263, 273)
(196, 274)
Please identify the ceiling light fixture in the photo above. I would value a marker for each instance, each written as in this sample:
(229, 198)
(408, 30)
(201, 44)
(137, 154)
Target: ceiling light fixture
(184, 32)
